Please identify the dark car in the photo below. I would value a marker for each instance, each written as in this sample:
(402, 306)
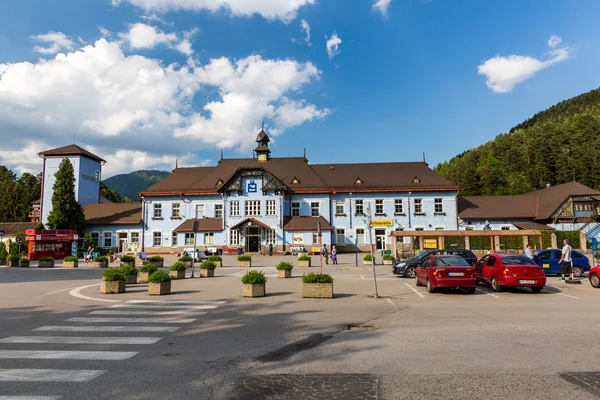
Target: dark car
(407, 268)
(548, 260)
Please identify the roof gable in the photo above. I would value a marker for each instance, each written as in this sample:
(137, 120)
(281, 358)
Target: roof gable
(71, 150)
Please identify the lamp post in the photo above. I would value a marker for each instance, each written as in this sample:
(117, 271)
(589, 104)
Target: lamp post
(369, 222)
(195, 229)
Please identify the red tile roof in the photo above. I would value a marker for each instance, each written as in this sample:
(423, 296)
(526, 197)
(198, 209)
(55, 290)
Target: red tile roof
(13, 227)
(113, 213)
(253, 221)
(71, 150)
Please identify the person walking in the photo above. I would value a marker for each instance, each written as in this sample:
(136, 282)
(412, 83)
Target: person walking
(566, 263)
(334, 254)
(325, 253)
(529, 251)
(88, 256)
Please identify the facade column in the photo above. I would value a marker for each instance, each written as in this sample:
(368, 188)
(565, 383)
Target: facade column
(583, 242)
(467, 242)
(525, 241)
(497, 243)
(554, 240)
(394, 250)
(421, 245)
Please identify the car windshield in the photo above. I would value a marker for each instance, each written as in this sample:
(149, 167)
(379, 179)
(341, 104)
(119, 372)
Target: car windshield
(517, 260)
(420, 256)
(451, 262)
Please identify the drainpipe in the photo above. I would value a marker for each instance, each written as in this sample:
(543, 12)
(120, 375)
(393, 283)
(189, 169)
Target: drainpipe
(144, 216)
(281, 197)
(331, 197)
(350, 210)
(409, 219)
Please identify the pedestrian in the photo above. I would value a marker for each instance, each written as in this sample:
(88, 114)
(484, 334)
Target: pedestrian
(270, 249)
(529, 251)
(88, 256)
(333, 254)
(325, 253)
(566, 263)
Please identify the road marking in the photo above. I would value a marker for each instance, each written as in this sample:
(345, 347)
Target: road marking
(177, 301)
(30, 397)
(561, 294)
(133, 312)
(369, 268)
(48, 375)
(392, 303)
(81, 339)
(343, 268)
(66, 355)
(56, 291)
(93, 328)
(169, 320)
(488, 293)
(76, 293)
(363, 277)
(414, 290)
(161, 306)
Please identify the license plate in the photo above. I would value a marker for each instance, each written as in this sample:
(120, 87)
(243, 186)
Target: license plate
(456, 274)
(527, 282)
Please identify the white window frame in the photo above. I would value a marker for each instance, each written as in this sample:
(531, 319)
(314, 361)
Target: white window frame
(438, 202)
(97, 238)
(505, 228)
(252, 208)
(359, 235)
(104, 246)
(234, 237)
(399, 239)
(420, 228)
(361, 205)
(379, 210)
(189, 238)
(234, 208)
(131, 233)
(340, 207)
(440, 228)
(315, 238)
(175, 210)
(296, 208)
(219, 211)
(271, 208)
(157, 210)
(174, 239)
(271, 236)
(338, 235)
(209, 238)
(154, 238)
(398, 206)
(312, 209)
(419, 202)
(199, 207)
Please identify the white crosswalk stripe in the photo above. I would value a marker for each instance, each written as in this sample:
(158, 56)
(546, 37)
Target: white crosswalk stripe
(81, 339)
(94, 328)
(165, 306)
(132, 312)
(177, 301)
(166, 320)
(48, 375)
(66, 355)
(30, 397)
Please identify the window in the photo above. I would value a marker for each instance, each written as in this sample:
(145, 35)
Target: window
(360, 210)
(315, 238)
(199, 211)
(157, 208)
(378, 207)
(253, 207)
(175, 211)
(94, 236)
(156, 239)
(360, 236)
(209, 238)
(295, 209)
(418, 206)
(398, 207)
(438, 206)
(173, 238)
(135, 237)
(506, 228)
(314, 209)
(399, 239)
(339, 207)
(107, 239)
(190, 238)
(340, 236)
(235, 209)
(439, 228)
(270, 207)
(234, 237)
(219, 211)
(419, 229)
(469, 228)
(270, 236)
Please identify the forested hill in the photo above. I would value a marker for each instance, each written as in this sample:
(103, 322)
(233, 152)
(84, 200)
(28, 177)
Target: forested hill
(129, 185)
(554, 146)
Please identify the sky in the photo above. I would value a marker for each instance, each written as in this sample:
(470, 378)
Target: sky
(143, 83)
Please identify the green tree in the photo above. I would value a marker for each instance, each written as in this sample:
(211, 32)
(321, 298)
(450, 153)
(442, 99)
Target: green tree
(39, 227)
(88, 242)
(66, 212)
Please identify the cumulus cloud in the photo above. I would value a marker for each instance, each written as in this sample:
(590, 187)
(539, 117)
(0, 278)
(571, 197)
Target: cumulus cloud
(285, 10)
(381, 6)
(55, 42)
(136, 112)
(306, 28)
(504, 73)
(185, 46)
(333, 45)
(142, 36)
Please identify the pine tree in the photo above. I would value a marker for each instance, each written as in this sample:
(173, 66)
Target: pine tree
(66, 212)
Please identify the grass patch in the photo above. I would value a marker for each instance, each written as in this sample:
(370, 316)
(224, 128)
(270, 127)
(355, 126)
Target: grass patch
(317, 278)
(284, 266)
(159, 277)
(254, 278)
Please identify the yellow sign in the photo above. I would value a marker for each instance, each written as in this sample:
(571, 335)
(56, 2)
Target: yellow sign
(430, 243)
(382, 222)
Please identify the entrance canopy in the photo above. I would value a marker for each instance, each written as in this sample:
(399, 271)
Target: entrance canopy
(250, 222)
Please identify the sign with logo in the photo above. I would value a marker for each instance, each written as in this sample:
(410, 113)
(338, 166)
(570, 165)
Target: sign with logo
(2, 233)
(20, 239)
(430, 243)
(298, 238)
(594, 244)
(74, 249)
(382, 222)
(252, 187)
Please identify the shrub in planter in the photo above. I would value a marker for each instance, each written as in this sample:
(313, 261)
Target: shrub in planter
(253, 284)
(207, 269)
(157, 261)
(304, 261)
(187, 260)
(368, 260)
(317, 286)
(388, 259)
(113, 281)
(70, 262)
(218, 260)
(100, 262)
(3, 254)
(244, 261)
(129, 273)
(13, 261)
(177, 270)
(159, 283)
(128, 260)
(145, 272)
(284, 269)
(46, 262)
(24, 262)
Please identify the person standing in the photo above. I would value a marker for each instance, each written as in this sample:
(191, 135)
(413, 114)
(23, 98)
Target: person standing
(270, 249)
(325, 253)
(529, 251)
(566, 261)
(333, 254)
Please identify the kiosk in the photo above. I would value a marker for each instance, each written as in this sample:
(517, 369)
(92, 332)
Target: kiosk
(56, 244)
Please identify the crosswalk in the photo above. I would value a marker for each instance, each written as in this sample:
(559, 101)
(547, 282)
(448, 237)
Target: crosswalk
(125, 323)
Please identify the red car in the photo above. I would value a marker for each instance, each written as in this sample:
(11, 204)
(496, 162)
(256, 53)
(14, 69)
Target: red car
(594, 276)
(510, 270)
(446, 272)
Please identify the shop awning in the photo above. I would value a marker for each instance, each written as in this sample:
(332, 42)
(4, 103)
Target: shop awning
(250, 222)
(305, 224)
(204, 225)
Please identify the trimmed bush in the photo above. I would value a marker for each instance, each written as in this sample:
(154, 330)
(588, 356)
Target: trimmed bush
(178, 266)
(388, 257)
(284, 266)
(12, 257)
(148, 268)
(70, 259)
(156, 259)
(367, 258)
(129, 270)
(112, 275)
(101, 259)
(244, 258)
(3, 252)
(159, 277)
(254, 277)
(214, 258)
(304, 258)
(317, 278)
(46, 259)
(185, 258)
(128, 259)
(208, 265)
(24, 261)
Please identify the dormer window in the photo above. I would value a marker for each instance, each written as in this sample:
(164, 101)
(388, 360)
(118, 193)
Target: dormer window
(220, 182)
(358, 181)
(416, 180)
(295, 181)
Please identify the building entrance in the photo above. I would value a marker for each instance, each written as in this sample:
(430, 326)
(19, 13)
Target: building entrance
(122, 241)
(380, 239)
(253, 236)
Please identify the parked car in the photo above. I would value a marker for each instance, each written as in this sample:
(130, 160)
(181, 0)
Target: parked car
(510, 270)
(548, 260)
(445, 271)
(594, 276)
(407, 268)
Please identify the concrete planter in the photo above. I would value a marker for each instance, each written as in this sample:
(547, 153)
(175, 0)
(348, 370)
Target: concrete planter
(131, 279)
(303, 264)
(127, 263)
(111, 287)
(219, 264)
(101, 264)
(257, 290)
(177, 274)
(317, 290)
(2, 262)
(46, 264)
(244, 264)
(207, 273)
(159, 289)
(13, 264)
(143, 277)
(388, 262)
(369, 263)
(157, 264)
(303, 255)
(24, 264)
(70, 264)
(284, 273)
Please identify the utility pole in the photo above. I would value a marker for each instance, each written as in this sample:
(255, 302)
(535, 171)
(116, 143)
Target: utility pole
(369, 222)
(320, 235)
(195, 229)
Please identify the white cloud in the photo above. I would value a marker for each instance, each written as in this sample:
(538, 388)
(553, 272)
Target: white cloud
(381, 6)
(137, 113)
(306, 28)
(333, 44)
(154, 18)
(554, 41)
(57, 41)
(104, 32)
(504, 73)
(271, 9)
(185, 46)
(142, 36)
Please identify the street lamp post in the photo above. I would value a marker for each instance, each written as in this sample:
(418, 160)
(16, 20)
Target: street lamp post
(195, 229)
(369, 222)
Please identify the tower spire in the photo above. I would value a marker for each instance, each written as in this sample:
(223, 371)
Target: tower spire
(262, 150)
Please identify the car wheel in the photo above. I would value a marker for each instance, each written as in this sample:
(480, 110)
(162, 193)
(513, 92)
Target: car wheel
(595, 280)
(471, 290)
(417, 282)
(537, 289)
(430, 288)
(578, 272)
(495, 285)
(410, 272)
